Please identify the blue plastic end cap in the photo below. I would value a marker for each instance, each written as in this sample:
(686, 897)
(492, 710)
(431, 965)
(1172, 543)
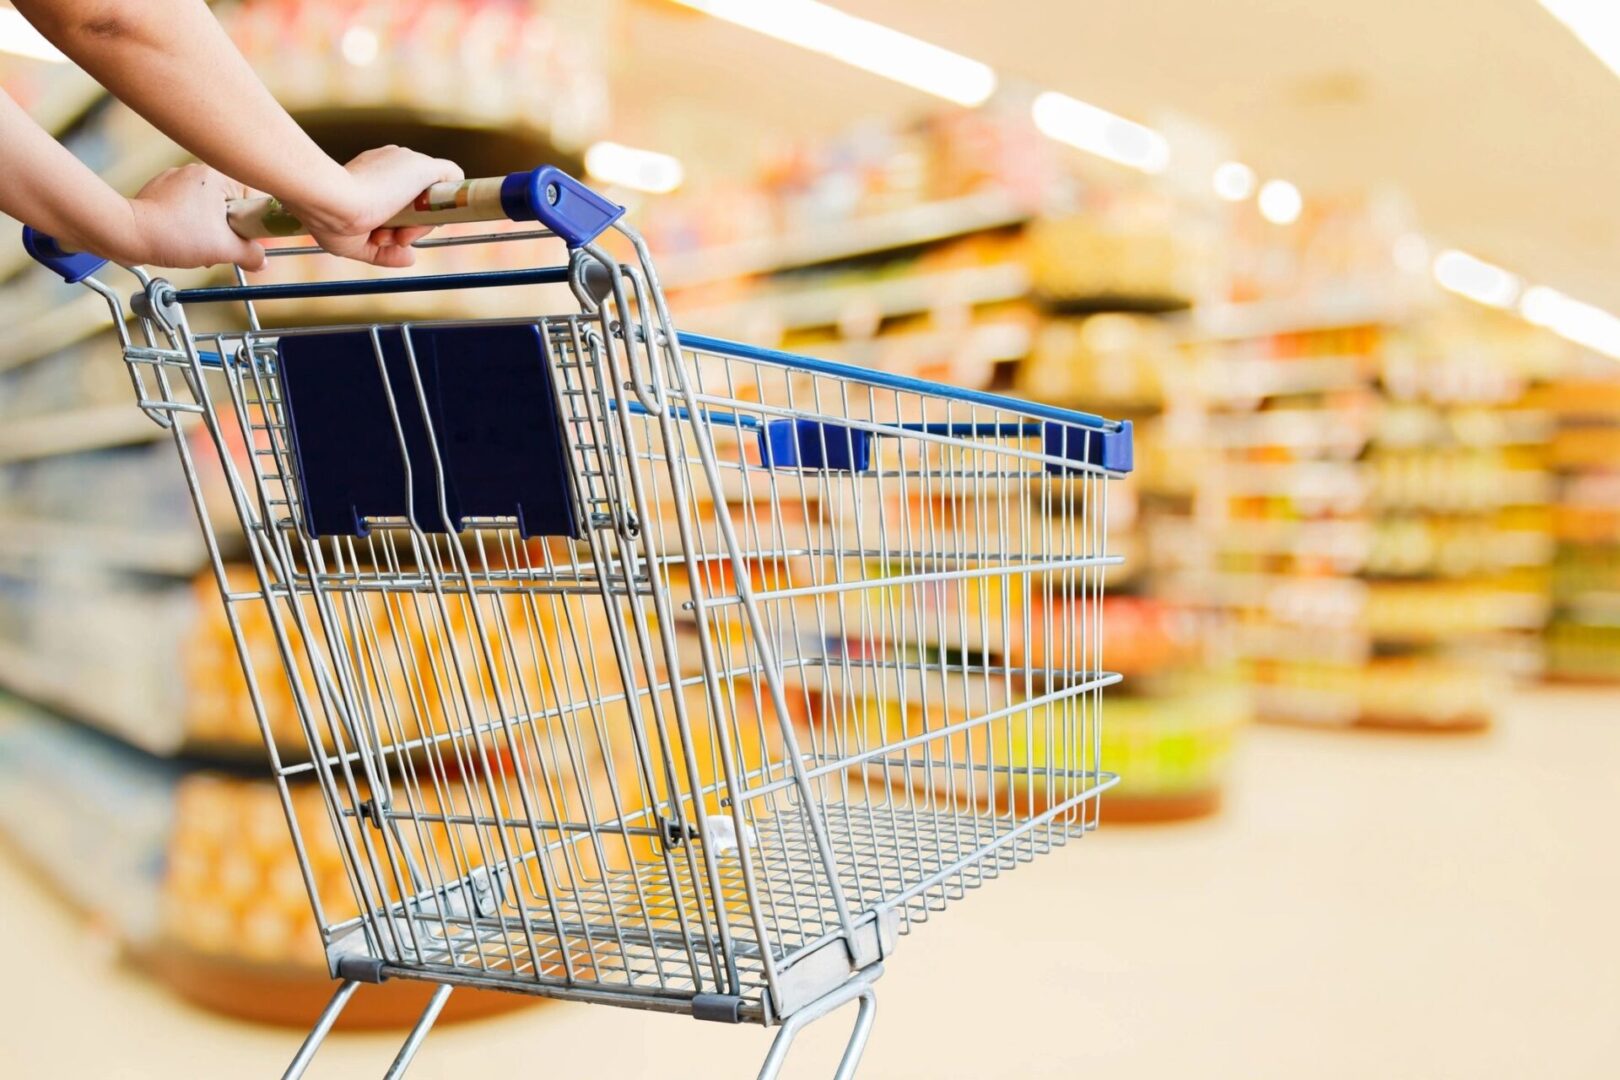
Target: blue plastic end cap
(812, 444)
(72, 266)
(559, 202)
(1114, 451)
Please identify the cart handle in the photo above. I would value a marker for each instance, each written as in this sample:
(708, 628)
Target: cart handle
(545, 194)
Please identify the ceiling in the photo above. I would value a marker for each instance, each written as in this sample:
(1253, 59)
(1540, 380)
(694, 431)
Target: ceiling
(1500, 126)
(1502, 129)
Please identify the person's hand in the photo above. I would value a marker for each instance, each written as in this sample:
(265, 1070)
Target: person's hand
(380, 183)
(180, 222)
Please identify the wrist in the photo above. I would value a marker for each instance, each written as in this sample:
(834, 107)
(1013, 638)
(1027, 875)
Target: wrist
(331, 204)
(127, 240)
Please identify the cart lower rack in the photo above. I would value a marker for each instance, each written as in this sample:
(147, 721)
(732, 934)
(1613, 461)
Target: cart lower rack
(634, 667)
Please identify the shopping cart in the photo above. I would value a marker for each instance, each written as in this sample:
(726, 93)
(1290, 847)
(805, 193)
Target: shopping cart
(633, 667)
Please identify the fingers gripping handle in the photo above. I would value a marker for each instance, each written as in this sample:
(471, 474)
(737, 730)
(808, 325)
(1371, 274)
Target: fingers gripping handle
(546, 194)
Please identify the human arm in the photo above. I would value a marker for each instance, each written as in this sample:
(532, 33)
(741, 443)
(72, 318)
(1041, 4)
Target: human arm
(172, 62)
(177, 220)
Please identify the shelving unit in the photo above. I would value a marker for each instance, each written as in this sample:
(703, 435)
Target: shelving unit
(1374, 543)
(912, 227)
(797, 309)
(74, 431)
(171, 554)
(1583, 634)
(116, 724)
(47, 682)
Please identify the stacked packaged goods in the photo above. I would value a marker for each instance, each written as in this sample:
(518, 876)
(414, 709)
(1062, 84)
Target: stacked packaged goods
(1380, 517)
(1583, 635)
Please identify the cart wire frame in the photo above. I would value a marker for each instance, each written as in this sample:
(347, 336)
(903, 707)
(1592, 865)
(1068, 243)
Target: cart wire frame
(819, 651)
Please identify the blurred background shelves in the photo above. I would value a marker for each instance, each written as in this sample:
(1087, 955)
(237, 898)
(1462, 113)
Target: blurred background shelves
(75, 430)
(913, 227)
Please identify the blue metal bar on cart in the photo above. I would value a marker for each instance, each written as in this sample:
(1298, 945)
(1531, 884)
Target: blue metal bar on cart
(1079, 437)
(954, 431)
(483, 279)
(891, 381)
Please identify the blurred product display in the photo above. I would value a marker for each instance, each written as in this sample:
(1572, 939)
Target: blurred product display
(1583, 635)
(1380, 518)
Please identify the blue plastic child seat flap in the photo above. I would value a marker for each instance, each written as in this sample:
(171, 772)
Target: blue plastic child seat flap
(493, 411)
(814, 444)
(1096, 447)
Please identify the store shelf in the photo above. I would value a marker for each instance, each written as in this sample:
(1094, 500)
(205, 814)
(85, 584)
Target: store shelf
(992, 343)
(43, 681)
(1509, 487)
(911, 227)
(1263, 318)
(1241, 380)
(32, 327)
(1327, 538)
(1303, 481)
(883, 299)
(72, 92)
(1295, 429)
(31, 331)
(89, 812)
(1591, 608)
(176, 553)
(1103, 303)
(1277, 592)
(75, 430)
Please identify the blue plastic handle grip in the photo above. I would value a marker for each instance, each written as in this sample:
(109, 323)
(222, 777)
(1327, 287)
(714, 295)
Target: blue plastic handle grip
(73, 266)
(559, 202)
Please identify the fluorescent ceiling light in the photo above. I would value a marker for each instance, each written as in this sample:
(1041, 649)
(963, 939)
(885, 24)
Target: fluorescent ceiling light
(642, 170)
(860, 43)
(1478, 280)
(1595, 22)
(1233, 181)
(360, 46)
(1581, 323)
(1280, 202)
(18, 36)
(1098, 131)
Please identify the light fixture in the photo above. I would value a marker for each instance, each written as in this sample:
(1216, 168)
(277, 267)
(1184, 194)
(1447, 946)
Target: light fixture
(1280, 202)
(1478, 280)
(18, 37)
(360, 46)
(1596, 23)
(1571, 319)
(1098, 131)
(641, 170)
(860, 43)
(1233, 181)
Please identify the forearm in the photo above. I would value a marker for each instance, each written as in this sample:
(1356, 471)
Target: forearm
(172, 62)
(43, 185)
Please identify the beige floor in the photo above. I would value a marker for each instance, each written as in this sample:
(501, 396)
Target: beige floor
(1368, 906)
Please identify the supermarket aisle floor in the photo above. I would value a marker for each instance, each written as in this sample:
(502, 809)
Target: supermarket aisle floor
(1368, 906)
